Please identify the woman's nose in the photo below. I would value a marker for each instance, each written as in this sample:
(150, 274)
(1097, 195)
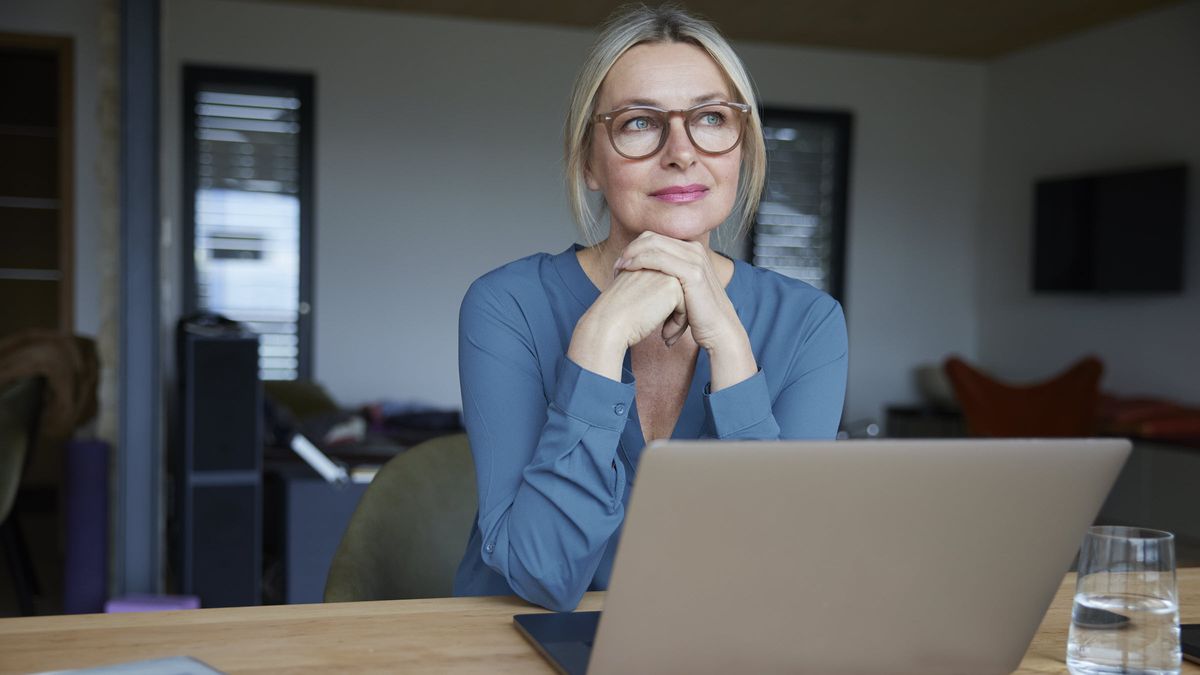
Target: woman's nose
(679, 150)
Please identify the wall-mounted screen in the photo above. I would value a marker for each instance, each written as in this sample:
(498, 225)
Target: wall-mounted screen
(1111, 232)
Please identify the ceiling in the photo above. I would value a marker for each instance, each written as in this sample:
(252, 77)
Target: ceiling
(966, 29)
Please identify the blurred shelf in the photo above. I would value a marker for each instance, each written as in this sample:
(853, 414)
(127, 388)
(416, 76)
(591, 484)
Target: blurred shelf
(29, 203)
(9, 273)
(923, 422)
(28, 131)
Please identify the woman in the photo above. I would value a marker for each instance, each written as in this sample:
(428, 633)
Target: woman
(571, 363)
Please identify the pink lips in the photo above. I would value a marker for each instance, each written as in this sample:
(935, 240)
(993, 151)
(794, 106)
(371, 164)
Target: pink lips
(681, 193)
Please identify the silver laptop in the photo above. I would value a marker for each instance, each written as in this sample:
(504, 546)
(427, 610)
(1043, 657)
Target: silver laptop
(839, 557)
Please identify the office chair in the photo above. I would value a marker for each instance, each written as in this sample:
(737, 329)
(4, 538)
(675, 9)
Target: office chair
(410, 529)
(1062, 406)
(20, 409)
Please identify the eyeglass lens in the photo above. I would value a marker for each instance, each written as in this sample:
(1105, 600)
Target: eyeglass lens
(713, 129)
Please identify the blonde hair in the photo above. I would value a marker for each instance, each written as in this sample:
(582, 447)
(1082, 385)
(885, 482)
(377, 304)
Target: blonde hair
(639, 24)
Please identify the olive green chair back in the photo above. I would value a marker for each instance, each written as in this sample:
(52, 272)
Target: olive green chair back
(410, 529)
(20, 405)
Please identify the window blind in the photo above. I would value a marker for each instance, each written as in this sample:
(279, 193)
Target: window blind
(247, 220)
(800, 220)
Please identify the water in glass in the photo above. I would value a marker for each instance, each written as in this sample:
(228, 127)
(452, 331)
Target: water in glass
(1147, 643)
(1125, 617)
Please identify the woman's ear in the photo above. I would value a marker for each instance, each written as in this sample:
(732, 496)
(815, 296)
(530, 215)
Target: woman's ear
(589, 178)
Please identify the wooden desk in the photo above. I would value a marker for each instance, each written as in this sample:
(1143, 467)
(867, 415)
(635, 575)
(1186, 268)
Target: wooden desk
(467, 635)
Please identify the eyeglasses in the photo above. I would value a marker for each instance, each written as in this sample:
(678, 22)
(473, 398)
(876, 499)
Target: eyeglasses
(638, 131)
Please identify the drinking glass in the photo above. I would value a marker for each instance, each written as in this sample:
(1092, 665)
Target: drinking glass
(1125, 618)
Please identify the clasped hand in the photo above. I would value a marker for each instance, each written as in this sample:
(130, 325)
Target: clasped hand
(665, 285)
(661, 281)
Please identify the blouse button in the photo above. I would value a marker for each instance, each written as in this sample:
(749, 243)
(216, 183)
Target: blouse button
(491, 547)
(619, 408)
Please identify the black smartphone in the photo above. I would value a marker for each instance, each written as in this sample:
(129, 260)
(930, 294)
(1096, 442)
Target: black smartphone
(1189, 641)
(1095, 618)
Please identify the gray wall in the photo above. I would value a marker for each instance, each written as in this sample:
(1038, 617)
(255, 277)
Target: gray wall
(945, 154)
(438, 158)
(914, 188)
(1118, 96)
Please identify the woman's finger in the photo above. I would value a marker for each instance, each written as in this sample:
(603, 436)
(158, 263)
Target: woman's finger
(674, 326)
(673, 338)
(650, 241)
(662, 261)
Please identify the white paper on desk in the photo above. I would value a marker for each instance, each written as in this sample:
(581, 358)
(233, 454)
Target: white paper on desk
(332, 473)
(175, 665)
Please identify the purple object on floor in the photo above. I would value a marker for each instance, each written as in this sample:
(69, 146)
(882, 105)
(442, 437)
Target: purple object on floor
(137, 602)
(85, 521)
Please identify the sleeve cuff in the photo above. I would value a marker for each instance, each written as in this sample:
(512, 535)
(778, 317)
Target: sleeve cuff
(592, 398)
(739, 407)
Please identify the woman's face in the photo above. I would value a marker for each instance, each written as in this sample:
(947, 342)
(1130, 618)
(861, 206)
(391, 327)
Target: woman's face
(671, 76)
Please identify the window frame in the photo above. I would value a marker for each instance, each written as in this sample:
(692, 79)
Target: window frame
(304, 85)
(843, 123)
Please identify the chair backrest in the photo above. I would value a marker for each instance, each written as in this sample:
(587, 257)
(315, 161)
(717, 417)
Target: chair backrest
(1063, 406)
(20, 405)
(410, 529)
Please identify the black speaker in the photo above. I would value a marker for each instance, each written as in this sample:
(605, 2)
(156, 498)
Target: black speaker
(216, 529)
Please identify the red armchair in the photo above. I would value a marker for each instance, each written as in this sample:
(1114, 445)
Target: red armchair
(1064, 406)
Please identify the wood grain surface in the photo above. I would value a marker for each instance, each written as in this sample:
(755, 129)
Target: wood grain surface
(460, 635)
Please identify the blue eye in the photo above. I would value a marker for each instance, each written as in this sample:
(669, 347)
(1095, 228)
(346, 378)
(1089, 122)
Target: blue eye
(712, 119)
(638, 124)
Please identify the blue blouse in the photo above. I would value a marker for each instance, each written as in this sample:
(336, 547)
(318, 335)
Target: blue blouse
(556, 447)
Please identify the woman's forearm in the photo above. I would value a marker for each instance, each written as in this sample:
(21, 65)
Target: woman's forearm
(731, 361)
(598, 345)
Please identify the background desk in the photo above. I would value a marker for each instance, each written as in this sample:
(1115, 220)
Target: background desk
(304, 519)
(467, 635)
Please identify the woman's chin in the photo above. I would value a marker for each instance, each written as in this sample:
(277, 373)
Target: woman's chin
(687, 232)
(685, 229)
